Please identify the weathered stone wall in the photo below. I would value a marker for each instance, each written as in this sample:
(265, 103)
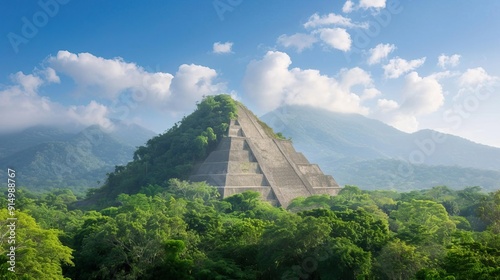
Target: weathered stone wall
(248, 159)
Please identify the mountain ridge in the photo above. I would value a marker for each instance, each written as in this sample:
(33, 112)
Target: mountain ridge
(51, 157)
(340, 143)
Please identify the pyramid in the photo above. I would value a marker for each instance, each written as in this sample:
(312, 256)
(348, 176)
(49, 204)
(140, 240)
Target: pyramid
(250, 159)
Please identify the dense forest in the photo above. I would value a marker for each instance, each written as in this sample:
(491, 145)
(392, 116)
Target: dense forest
(147, 222)
(185, 231)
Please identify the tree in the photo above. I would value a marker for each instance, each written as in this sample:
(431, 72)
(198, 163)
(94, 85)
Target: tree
(398, 260)
(39, 252)
(489, 211)
(421, 221)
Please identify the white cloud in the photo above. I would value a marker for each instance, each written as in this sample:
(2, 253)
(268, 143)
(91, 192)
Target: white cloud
(354, 76)
(370, 93)
(332, 19)
(475, 77)
(221, 48)
(398, 66)
(271, 83)
(381, 51)
(403, 122)
(190, 84)
(348, 7)
(422, 95)
(110, 78)
(24, 107)
(29, 83)
(300, 41)
(337, 38)
(386, 105)
(51, 76)
(372, 4)
(443, 75)
(444, 61)
(93, 113)
(111, 83)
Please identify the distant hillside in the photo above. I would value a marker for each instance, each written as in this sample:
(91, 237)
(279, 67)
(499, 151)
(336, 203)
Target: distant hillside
(47, 157)
(368, 153)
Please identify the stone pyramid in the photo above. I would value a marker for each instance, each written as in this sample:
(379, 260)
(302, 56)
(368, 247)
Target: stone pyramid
(250, 159)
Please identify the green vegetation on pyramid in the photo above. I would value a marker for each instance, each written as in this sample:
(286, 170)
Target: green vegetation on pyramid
(172, 154)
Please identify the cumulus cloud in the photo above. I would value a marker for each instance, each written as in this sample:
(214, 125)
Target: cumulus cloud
(422, 95)
(337, 38)
(108, 84)
(300, 41)
(444, 61)
(271, 83)
(24, 107)
(110, 78)
(51, 75)
(372, 4)
(398, 66)
(381, 51)
(190, 83)
(370, 93)
(221, 48)
(386, 105)
(93, 113)
(350, 6)
(474, 77)
(332, 19)
(28, 83)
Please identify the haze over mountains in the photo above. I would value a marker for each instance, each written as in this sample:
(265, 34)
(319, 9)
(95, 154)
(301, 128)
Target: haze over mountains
(370, 154)
(51, 157)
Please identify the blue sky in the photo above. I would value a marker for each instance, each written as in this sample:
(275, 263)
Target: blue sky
(411, 64)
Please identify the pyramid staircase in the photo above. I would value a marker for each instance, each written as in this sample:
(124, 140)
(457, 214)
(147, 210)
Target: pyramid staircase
(249, 159)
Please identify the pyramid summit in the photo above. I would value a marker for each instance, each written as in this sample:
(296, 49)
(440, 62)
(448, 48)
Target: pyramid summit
(252, 158)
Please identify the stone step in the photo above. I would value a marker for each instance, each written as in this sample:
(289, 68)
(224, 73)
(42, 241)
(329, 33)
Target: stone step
(296, 157)
(238, 167)
(230, 155)
(235, 131)
(309, 169)
(299, 158)
(246, 180)
(229, 167)
(241, 155)
(328, 191)
(291, 192)
(320, 180)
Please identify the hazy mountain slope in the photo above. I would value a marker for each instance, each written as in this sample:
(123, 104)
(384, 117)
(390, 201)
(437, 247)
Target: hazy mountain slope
(11, 143)
(366, 152)
(75, 160)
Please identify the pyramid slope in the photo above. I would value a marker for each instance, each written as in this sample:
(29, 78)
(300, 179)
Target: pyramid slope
(250, 159)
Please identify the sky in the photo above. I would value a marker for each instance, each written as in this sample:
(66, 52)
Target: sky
(411, 64)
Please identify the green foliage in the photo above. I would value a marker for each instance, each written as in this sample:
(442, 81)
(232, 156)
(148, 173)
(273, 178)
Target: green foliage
(39, 252)
(173, 153)
(182, 230)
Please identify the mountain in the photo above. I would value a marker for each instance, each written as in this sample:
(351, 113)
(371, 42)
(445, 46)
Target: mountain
(49, 157)
(368, 153)
(12, 143)
(173, 154)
